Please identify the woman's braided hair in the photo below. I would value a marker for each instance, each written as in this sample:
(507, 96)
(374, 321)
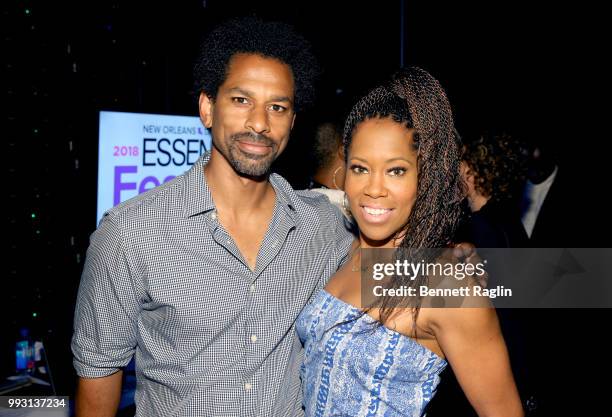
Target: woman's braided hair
(414, 98)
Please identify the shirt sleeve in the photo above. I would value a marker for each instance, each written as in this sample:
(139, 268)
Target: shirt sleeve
(105, 319)
(346, 233)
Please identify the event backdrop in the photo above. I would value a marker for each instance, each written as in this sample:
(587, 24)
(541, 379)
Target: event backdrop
(138, 152)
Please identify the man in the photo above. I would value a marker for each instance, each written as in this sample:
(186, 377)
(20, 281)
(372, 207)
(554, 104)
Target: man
(542, 188)
(328, 155)
(329, 172)
(202, 278)
(494, 168)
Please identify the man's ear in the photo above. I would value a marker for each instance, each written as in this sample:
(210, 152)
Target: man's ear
(206, 110)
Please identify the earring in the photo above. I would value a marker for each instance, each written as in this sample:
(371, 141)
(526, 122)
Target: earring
(346, 206)
(334, 177)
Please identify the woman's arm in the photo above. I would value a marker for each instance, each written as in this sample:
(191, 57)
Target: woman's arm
(472, 342)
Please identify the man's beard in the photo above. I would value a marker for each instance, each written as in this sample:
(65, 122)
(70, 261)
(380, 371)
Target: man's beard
(249, 164)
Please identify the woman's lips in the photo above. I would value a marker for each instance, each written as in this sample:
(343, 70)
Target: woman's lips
(375, 214)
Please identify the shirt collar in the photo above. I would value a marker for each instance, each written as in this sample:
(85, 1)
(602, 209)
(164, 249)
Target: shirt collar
(285, 194)
(197, 198)
(196, 195)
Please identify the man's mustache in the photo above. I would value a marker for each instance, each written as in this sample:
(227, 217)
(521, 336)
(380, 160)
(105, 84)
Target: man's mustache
(253, 137)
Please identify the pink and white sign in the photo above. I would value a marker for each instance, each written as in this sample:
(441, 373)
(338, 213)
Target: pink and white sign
(138, 152)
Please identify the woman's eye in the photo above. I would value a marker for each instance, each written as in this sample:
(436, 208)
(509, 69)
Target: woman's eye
(396, 172)
(240, 100)
(358, 169)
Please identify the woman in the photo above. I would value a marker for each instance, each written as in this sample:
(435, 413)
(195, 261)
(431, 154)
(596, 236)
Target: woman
(404, 192)
(494, 168)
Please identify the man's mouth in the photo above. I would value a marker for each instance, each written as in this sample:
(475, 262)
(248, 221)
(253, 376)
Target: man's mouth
(256, 148)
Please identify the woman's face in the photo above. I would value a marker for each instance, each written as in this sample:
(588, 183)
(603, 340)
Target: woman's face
(381, 179)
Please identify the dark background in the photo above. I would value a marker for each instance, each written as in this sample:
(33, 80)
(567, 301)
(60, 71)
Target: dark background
(532, 68)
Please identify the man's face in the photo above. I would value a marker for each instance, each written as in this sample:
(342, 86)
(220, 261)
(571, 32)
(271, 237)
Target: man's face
(253, 113)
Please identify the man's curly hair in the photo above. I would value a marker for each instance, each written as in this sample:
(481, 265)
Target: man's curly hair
(499, 164)
(268, 39)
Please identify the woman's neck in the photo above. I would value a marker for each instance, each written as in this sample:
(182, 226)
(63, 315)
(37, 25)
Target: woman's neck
(365, 243)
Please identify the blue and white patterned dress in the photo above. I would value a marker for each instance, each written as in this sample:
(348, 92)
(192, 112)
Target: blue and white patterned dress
(358, 369)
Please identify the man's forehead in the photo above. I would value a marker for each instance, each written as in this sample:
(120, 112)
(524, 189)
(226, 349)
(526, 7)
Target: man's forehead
(251, 93)
(241, 57)
(259, 69)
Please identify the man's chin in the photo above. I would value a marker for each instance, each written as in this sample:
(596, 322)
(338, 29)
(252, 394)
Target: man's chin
(250, 169)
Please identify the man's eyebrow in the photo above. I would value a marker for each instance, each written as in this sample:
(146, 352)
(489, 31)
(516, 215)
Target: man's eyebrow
(242, 91)
(284, 99)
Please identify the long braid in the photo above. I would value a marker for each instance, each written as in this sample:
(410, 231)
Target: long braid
(416, 99)
(437, 209)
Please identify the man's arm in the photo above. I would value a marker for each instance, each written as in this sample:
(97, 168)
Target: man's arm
(105, 321)
(99, 397)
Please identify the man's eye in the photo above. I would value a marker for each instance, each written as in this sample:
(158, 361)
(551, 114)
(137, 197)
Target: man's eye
(358, 169)
(396, 172)
(277, 108)
(240, 100)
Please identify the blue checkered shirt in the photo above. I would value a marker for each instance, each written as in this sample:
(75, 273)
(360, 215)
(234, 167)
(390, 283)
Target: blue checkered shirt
(165, 283)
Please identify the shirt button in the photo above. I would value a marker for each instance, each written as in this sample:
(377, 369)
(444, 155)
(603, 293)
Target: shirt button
(253, 338)
(213, 216)
(274, 244)
(248, 386)
(229, 241)
(252, 288)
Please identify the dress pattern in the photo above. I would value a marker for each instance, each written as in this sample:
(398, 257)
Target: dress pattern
(352, 367)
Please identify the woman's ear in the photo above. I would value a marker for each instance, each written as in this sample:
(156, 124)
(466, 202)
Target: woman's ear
(206, 110)
(466, 172)
(468, 176)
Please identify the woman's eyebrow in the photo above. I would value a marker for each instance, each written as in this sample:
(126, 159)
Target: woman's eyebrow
(399, 158)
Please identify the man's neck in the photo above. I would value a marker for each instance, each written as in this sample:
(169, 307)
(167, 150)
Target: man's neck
(331, 176)
(324, 177)
(232, 192)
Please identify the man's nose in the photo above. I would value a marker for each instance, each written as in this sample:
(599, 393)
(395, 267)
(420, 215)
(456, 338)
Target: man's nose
(258, 121)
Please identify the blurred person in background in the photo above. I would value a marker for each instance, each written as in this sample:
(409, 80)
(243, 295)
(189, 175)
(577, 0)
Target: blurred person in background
(494, 168)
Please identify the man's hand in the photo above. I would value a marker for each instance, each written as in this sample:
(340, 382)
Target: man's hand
(99, 397)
